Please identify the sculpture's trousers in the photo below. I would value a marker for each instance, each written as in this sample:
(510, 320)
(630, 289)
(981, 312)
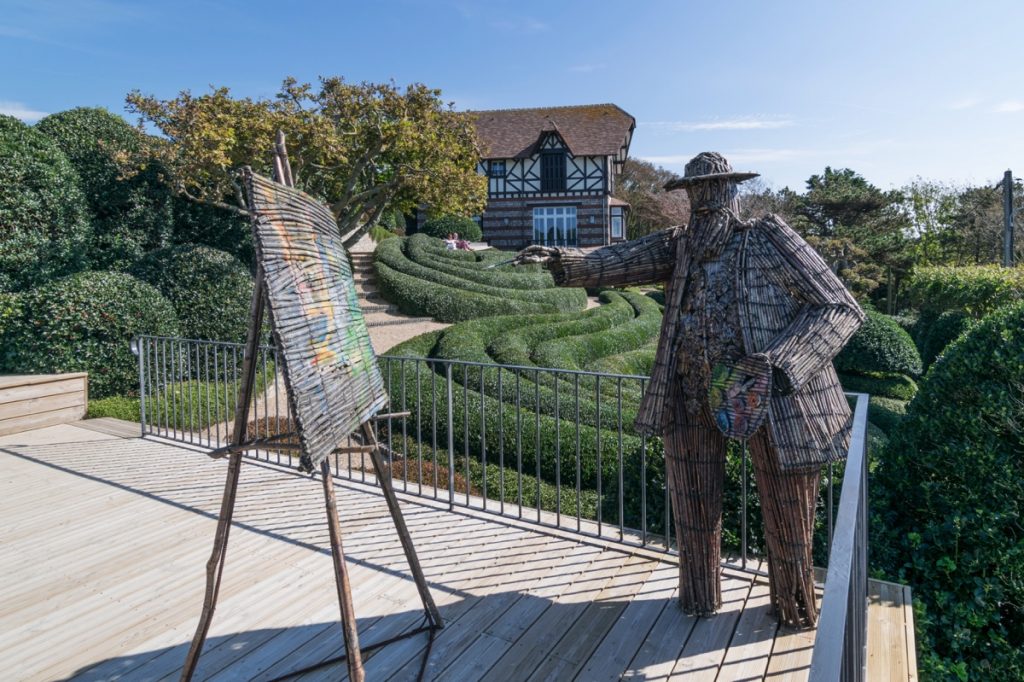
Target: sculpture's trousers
(695, 461)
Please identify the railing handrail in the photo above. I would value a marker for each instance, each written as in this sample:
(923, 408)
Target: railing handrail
(838, 652)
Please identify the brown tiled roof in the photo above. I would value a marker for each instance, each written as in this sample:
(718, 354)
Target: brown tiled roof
(588, 130)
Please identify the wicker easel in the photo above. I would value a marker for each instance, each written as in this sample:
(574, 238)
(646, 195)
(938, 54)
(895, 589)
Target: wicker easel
(368, 444)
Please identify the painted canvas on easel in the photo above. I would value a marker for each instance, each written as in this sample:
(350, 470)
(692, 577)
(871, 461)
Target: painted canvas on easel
(330, 370)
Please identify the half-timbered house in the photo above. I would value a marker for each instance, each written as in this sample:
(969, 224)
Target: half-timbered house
(551, 174)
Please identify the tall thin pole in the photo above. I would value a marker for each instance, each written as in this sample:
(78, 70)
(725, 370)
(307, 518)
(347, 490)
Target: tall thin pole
(1008, 219)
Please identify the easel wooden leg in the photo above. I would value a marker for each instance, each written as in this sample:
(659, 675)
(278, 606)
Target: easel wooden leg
(383, 473)
(348, 613)
(215, 566)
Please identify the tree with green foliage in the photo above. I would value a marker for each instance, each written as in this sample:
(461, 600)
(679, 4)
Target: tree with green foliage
(131, 215)
(442, 226)
(651, 208)
(856, 227)
(359, 148)
(44, 220)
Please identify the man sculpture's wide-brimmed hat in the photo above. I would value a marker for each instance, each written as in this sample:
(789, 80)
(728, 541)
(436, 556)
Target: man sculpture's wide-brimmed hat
(708, 166)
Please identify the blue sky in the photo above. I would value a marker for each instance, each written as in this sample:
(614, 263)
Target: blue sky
(892, 89)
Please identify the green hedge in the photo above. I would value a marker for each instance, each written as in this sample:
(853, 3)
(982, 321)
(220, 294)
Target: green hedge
(880, 345)
(442, 226)
(951, 491)
(132, 215)
(507, 276)
(391, 253)
(887, 413)
(84, 323)
(883, 384)
(209, 289)
(978, 290)
(44, 219)
(116, 406)
(941, 332)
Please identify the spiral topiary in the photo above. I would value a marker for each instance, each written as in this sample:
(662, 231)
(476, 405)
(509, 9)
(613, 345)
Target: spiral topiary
(880, 345)
(44, 221)
(84, 323)
(950, 499)
(131, 215)
(209, 289)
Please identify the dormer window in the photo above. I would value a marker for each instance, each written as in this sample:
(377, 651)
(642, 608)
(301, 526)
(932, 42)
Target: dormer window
(496, 169)
(552, 171)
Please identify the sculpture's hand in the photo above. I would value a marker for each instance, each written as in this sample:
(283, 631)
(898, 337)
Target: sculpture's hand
(537, 254)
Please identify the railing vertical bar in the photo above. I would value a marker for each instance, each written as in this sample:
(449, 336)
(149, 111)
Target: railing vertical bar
(419, 429)
(621, 496)
(405, 429)
(451, 438)
(390, 441)
(216, 393)
(744, 478)
(465, 425)
(483, 438)
(558, 456)
(519, 448)
(579, 468)
(831, 509)
(501, 444)
(536, 430)
(433, 420)
(164, 392)
(140, 346)
(191, 395)
(599, 473)
(643, 482)
(277, 400)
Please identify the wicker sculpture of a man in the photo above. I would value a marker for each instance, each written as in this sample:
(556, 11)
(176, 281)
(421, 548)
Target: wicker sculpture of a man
(753, 318)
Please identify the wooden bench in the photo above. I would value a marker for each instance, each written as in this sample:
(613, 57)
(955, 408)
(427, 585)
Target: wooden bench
(31, 401)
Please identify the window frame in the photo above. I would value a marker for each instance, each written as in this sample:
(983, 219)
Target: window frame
(553, 171)
(492, 169)
(555, 225)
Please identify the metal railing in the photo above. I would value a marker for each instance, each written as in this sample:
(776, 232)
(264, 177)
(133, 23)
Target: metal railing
(548, 446)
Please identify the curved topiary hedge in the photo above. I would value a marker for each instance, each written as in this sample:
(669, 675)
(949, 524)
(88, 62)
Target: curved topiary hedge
(880, 345)
(883, 384)
(513, 278)
(209, 289)
(952, 492)
(44, 221)
(83, 323)
(943, 331)
(442, 226)
(131, 215)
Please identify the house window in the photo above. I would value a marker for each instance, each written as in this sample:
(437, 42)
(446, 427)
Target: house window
(554, 225)
(552, 172)
(496, 169)
(617, 221)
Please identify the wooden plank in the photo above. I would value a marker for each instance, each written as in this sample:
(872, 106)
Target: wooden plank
(791, 655)
(706, 646)
(577, 644)
(887, 643)
(751, 645)
(38, 421)
(42, 405)
(908, 628)
(13, 381)
(624, 640)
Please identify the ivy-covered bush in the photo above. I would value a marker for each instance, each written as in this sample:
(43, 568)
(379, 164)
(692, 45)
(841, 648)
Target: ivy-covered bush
(951, 497)
(941, 332)
(131, 215)
(84, 323)
(444, 225)
(880, 345)
(44, 220)
(978, 289)
(209, 289)
(10, 309)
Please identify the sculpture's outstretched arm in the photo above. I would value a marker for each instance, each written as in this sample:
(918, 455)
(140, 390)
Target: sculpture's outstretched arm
(829, 316)
(648, 260)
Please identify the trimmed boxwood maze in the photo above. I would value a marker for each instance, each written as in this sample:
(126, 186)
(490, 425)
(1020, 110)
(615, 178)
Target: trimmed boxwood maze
(409, 276)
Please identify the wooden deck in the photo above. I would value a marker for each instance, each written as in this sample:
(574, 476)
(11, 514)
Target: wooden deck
(105, 539)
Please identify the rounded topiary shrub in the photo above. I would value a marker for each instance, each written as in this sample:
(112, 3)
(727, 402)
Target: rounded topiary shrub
(880, 345)
(84, 323)
(131, 214)
(943, 331)
(951, 496)
(443, 226)
(209, 289)
(44, 225)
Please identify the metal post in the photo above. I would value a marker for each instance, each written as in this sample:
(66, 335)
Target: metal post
(451, 438)
(1008, 219)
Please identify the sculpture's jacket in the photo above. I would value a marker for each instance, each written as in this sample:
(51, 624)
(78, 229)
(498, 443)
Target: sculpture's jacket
(792, 308)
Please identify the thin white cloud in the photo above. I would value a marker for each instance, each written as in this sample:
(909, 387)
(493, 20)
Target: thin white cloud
(963, 103)
(1011, 106)
(745, 123)
(585, 68)
(21, 111)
